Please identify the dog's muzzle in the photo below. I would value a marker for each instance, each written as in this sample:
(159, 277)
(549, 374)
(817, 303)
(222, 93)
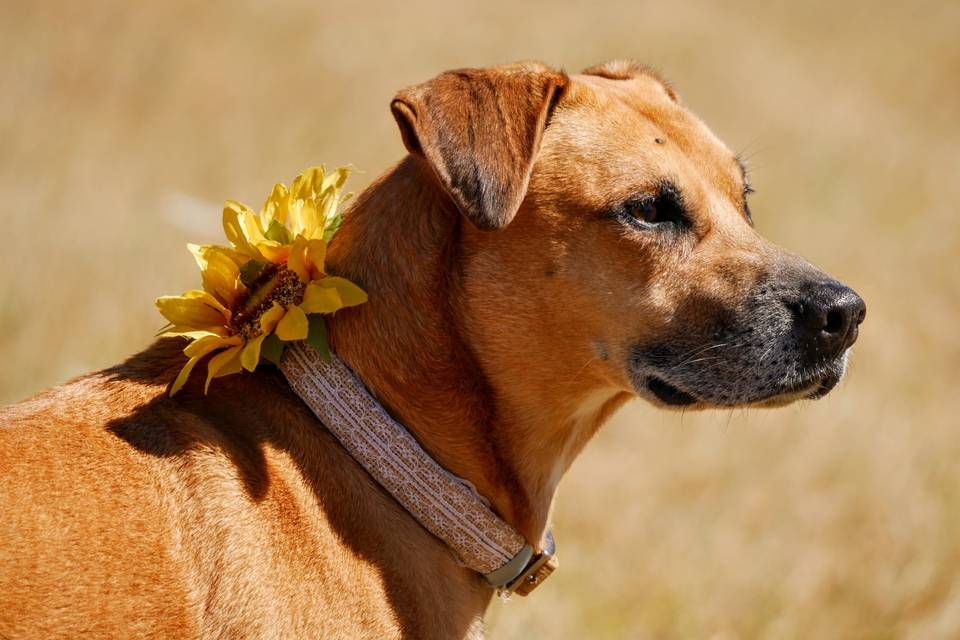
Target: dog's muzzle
(787, 340)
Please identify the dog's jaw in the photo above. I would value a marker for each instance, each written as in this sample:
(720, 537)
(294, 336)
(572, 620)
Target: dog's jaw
(812, 384)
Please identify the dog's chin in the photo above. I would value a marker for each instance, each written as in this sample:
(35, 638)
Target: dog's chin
(812, 387)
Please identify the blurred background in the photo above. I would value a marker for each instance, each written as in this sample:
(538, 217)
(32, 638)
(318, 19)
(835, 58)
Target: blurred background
(125, 125)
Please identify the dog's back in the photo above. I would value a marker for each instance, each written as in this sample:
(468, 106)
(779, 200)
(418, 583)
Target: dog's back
(57, 546)
(179, 528)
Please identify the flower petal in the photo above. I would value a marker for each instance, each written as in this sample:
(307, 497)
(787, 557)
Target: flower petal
(238, 258)
(183, 375)
(275, 208)
(319, 299)
(306, 217)
(308, 184)
(202, 346)
(296, 262)
(232, 367)
(336, 178)
(252, 229)
(196, 309)
(187, 332)
(310, 219)
(327, 204)
(316, 255)
(220, 271)
(270, 318)
(293, 325)
(235, 231)
(197, 350)
(351, 294)
(217, 362)
(274, 252)
(251, 353)
(209, 300)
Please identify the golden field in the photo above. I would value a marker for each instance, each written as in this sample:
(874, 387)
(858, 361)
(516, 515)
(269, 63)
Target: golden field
(124, 125)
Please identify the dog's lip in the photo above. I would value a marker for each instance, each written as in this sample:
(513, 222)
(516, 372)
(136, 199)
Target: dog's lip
(824, 384)
(813, 387)
(669, 394)
(817, 383)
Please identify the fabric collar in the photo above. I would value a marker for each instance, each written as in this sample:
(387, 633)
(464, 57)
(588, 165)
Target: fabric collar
(446, 505)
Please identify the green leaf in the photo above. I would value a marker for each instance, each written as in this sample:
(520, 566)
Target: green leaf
(278, 233)
(272, 348)
(317, 335)
(333, 227)
(250, 271)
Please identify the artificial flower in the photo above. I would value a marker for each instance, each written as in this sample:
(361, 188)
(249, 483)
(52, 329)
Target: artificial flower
(270, 287)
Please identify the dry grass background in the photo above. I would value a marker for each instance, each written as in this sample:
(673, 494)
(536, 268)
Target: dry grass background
(836, 519)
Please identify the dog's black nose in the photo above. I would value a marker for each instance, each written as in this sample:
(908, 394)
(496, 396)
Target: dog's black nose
(829, 314)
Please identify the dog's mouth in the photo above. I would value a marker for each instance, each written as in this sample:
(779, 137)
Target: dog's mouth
(669, 394)
(823, 384)
(812, 387)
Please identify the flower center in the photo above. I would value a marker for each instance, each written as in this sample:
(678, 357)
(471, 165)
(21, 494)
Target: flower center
(276, 283)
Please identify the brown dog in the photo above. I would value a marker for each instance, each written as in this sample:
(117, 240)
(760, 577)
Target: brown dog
(552, 247)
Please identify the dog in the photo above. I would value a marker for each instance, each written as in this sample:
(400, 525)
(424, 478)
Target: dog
(552, 246)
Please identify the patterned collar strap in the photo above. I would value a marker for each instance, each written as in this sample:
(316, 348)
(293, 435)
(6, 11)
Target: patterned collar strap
(446, 505)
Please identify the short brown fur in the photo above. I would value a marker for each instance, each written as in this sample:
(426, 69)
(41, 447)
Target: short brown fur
(127, 513)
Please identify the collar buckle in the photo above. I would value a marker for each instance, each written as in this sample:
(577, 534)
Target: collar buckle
(537, 570)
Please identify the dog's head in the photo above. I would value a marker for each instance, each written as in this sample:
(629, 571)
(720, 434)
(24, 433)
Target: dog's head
(611, 242)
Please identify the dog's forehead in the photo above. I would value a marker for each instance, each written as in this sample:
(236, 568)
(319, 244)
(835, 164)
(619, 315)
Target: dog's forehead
(642, 85)
(629, 128)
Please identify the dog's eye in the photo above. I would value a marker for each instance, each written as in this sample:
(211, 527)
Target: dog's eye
(645, 211)
(747, 190)
(662, 209)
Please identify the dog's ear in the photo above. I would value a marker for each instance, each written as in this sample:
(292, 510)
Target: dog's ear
(480, 129)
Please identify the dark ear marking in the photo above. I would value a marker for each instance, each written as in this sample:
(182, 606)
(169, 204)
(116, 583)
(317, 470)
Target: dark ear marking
(480, 130)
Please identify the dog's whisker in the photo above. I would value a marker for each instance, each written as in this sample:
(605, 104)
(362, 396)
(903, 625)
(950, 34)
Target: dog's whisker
(702, 350)
(703, 359)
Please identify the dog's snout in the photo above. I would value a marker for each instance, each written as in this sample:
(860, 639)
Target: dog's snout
(829, 314)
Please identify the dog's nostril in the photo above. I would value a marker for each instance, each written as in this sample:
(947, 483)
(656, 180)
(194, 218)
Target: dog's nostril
(813, 315)
(830, 314)
(834, 321)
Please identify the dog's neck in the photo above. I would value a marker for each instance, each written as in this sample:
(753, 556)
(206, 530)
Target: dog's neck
(400, 241)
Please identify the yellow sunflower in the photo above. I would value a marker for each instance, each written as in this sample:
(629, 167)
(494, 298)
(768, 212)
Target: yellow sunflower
(270, 287)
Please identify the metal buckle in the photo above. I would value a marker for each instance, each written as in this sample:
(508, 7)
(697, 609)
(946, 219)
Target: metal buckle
(540, 567)
(537, 570)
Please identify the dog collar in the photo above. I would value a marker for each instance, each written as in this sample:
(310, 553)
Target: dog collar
(446, 505)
